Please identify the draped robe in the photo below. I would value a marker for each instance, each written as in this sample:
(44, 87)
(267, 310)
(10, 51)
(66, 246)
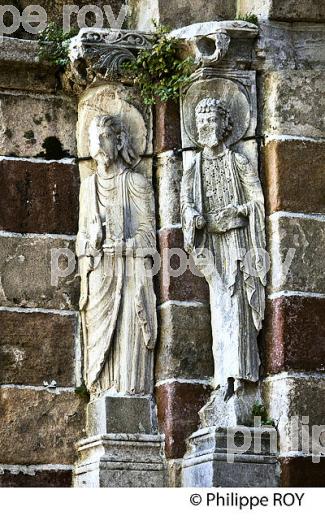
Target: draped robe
(117, 302)
(236, 279)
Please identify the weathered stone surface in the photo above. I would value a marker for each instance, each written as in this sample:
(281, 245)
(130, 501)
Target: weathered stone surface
(34, 78)
(305, 239)
(178, 406)
(168, 179)
(132, 414)
(46, 126)
(40, 427)
(25, 266)
(302, 472)
(54, 10)
(297, 10)
(189, 286)
(290, 399)
(290, 10)
(231, 457)
(121, 460)
(295, 334)
(185, 344)
(295, 179)
(178, 14)
(40, 197)
(167, 127)
(37, 347)
(36, 478)
(285, 107)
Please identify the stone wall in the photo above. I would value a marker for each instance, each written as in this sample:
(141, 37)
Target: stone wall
(39, 323)
(39, 184)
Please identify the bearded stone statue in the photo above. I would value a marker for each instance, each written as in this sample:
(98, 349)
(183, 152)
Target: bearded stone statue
(223, 224)
(116, 235)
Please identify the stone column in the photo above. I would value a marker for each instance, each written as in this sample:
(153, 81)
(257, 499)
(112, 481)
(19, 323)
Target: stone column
(123, 447)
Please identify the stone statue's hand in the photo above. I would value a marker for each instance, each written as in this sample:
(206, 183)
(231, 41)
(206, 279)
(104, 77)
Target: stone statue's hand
(116, 247)
(199, 222)
(94, 232)
(228, 212)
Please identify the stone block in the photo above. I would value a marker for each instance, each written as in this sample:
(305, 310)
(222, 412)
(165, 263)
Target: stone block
(40, 478)
(230, 458)
(46, 126)
(294, 172)
(116, 460)
(285, 108)
(301, 239)
(167, 127)
(121, 415)
(185, 344)
(178, 405)
(37, 347)
(291, 401)
(295, 334)
(168, 179)
(40, 426)
(297, 10)
(302, 472)
(188, 286)
(25, 266)
(178, 14)
(288, 11)
(41, 197)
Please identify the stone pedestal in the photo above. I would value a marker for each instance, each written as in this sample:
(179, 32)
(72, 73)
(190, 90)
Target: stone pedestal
(232, 457)
(120, 460)
(124, 448)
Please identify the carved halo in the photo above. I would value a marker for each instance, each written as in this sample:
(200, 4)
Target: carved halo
(111, 103)
(233, 97)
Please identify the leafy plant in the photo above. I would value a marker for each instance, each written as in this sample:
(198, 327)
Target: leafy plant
(82, 391)
(54, 44)
(159, 72)
(248, 17)
(259, 410)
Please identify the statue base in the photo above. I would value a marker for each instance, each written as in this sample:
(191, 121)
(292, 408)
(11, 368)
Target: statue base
(124, 448)
(231, 457)
(234, 411)
(120, 460)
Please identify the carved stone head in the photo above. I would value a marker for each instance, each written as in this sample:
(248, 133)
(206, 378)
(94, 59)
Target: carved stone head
(212, 121)
(108, 140)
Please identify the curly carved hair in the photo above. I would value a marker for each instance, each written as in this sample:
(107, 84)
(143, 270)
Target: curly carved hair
(212, 105)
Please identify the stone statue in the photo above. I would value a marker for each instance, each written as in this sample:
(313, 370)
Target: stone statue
(223, 224)
(115, 239)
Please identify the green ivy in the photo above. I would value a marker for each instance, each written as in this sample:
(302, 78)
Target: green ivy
(54, 44)
(159, 72)
(259, 410)
(248, 17)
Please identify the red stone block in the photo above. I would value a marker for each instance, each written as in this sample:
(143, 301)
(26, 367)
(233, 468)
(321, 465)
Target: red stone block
(178, 406)
(295, 334)
(302, 472)
(167, 132)
(38, 197)
(41, 478)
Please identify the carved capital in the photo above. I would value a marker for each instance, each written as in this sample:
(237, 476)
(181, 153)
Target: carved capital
(211, 44)
(97, 55)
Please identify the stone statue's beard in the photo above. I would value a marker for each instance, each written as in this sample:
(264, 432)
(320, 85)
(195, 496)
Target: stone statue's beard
(209, 138)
